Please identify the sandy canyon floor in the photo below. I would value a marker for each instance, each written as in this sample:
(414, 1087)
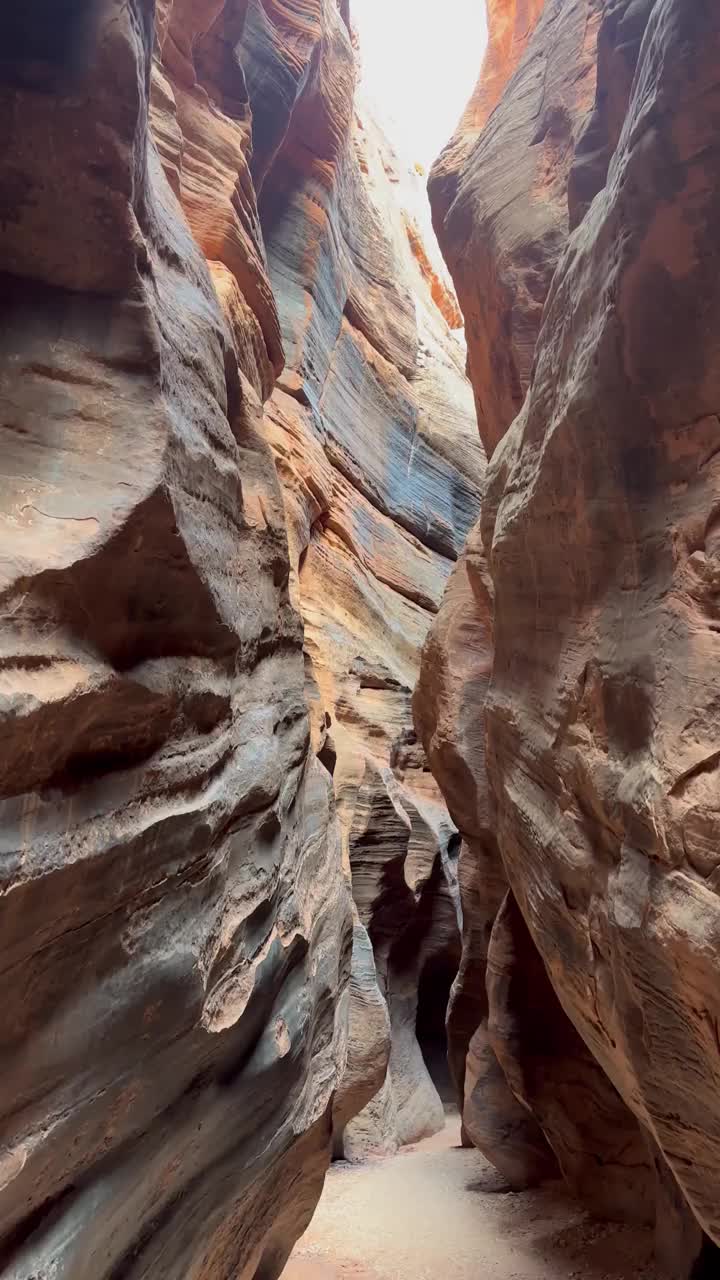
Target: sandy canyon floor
(438, 1212)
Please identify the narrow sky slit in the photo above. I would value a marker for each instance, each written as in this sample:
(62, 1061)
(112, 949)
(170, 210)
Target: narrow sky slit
(419, 67)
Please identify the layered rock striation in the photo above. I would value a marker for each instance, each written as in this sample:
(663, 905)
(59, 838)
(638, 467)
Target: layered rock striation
(217, 578)
(499, 190)
(373, 429)
(175, 927)
(586, 598)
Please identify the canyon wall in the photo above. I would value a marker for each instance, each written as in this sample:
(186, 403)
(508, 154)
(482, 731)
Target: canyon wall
(373, 428)
(175, 926)
(567, 697)
(239, 463)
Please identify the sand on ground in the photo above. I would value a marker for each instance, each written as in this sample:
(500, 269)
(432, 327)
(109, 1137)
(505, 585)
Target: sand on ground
(438, 1212)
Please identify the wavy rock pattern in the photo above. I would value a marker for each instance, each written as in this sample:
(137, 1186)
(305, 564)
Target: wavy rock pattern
(192, 1013)
(596, 552)
(175, 927)
(455, 671)
(627, 795)
(373, 429)
(509, 219)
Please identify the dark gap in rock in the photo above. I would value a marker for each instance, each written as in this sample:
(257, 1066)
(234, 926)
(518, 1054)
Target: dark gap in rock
(47, 44)
(327, 755)
(86, 766)
(234, 394)
(43, 1215)
(436, 979)
(707, 1266)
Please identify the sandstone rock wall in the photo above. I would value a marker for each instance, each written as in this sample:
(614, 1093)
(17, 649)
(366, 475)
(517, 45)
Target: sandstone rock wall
(188, 205)
(499, 190)
(590, 581)
(622, 684)
(175, 927)
(373, 428)
(510, 221)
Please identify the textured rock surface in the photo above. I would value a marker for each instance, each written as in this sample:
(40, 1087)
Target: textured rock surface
(175, 917)
(404, 886)
(603, 731)
(365, 1074)
(621, 32)
(175, 928)
(527, 1084)
(456, 666)
(597, 545)
(373, 428)
(600, 1150)
(175, 925)
(499, 190)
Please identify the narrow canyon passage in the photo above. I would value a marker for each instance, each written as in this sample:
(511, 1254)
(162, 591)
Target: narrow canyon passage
(436, 1211)
(359, 640)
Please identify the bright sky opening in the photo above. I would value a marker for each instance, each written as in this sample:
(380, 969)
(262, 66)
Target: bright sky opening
(420, 62)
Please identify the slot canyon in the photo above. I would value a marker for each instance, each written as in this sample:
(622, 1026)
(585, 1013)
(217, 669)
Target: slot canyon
(360, 870)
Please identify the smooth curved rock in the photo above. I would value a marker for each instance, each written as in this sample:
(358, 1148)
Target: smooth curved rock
(175, 924)
(404, 887)
(603, 731)
(454, 676)
(498, 1123)
(619, 39)
(601, 1153)
(598, 531)
(189, 203)
(373, 431)
(369, 1044)
(510, 221)
(512, 1047)
(499, 190)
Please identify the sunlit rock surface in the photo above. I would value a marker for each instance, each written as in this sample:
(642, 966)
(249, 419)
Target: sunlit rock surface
(591, 579)
(499, 190)
(373, 427)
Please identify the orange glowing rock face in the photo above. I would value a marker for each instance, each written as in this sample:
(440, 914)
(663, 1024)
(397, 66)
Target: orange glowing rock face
(442, 296)
(511, 24)
(499, 190)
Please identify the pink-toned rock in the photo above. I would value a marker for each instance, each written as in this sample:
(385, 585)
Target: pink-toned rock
(455, 671)
(499, 190)
(597, 532)
(189, 203)
(373, 431)
(533, 1098)
(175, 925)
(600, 524)
(365, 1074)
(601, 1152)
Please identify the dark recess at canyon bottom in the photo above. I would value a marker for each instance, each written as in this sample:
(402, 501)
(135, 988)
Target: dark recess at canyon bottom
(359, 711)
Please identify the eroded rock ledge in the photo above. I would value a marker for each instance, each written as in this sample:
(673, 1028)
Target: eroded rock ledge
(566, 699)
